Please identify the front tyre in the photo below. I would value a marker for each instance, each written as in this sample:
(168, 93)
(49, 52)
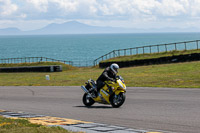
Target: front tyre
(117, 100)
(87, 100)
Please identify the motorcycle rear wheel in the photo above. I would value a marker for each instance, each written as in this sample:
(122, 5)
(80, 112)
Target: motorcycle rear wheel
(117, 100)
(87, 100)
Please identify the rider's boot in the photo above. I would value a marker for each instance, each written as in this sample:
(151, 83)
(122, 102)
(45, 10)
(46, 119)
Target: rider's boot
(94, 92)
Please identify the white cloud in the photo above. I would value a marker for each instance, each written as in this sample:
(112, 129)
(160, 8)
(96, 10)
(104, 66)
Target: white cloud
(145, 7)
(104, 8)
(7, 8)
(45, 6)
(195, 8)
(66, 5)
(40, 5)
(131, 12)
(171, 8)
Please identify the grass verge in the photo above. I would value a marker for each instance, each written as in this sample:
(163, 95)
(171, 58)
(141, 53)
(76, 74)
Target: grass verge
(24, 126)
(64, 66)
(151, 56)
(184, 75)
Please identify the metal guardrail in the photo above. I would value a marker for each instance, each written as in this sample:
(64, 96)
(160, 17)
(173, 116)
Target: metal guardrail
(32, 60)
(149, 49)
(44, 59)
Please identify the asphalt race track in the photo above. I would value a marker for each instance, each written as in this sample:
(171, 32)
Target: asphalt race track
(165, 109)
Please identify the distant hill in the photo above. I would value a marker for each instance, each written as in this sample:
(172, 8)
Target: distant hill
(10, 31)
(74, 27)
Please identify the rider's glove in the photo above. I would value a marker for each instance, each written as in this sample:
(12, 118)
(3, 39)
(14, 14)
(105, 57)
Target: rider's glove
(113, 80)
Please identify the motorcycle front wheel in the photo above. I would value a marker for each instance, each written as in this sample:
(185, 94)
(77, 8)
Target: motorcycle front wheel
(87, 100)
(117, 100)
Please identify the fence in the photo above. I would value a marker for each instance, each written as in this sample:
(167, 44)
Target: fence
(86, 63)
(31, 60)
(149, 49)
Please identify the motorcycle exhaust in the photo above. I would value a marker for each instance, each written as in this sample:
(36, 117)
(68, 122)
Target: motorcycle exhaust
(84, 89)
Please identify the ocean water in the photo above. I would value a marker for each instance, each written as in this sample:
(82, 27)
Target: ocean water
(80, 48)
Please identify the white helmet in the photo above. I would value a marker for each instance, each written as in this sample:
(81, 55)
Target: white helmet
(114, 67)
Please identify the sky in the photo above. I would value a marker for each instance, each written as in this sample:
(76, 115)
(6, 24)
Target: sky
(143, 14)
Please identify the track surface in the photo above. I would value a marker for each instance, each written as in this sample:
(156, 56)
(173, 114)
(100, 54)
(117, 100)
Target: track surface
(168, 109)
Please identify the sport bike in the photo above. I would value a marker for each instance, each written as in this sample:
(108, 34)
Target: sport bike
(112, 93)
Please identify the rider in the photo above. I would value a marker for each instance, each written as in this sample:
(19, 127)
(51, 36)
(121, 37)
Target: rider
(109, 73)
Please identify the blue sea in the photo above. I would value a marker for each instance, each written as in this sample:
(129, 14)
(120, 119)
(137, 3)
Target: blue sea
(80, 48)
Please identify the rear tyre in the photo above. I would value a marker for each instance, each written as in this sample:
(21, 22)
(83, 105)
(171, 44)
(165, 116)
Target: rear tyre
(117, 100)
(87, 100)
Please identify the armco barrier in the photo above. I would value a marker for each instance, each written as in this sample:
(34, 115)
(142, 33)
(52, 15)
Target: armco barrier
(32, 60)
(52, 68)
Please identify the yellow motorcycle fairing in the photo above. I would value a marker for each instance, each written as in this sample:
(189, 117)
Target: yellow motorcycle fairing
(110, 88)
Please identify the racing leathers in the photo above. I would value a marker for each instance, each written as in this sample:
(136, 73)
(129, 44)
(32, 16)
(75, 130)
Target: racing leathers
(107, 74)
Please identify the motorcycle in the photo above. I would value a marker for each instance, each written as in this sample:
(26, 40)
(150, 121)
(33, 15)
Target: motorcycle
(112, 93)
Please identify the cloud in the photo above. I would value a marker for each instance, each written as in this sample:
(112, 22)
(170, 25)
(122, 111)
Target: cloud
(66, 5)
(7, 8)
(195, 10)
(40, 5)
(54, 9)
(132, 11)
(46, 6)
(171, 8)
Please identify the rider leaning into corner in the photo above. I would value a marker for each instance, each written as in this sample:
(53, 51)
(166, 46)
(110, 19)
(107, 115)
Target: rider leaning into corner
(109, 73)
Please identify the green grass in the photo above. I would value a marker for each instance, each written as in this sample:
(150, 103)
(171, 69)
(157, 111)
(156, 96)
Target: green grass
(64, 66)
(166, 75)
(151, 56)
(24, 126)
(185, 75)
